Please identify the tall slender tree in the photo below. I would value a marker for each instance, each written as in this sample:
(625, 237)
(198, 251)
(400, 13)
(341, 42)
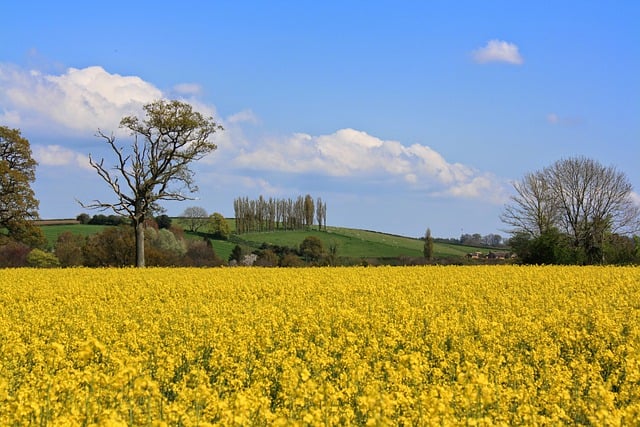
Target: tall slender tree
(428, 245)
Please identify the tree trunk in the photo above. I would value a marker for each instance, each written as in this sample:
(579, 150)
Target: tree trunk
(140, 244)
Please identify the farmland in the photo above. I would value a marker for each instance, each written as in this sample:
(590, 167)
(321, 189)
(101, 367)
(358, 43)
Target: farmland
(351, 243)
(329, 346)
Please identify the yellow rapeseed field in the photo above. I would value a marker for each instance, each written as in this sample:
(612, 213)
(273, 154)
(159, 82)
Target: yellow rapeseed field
(495, 345)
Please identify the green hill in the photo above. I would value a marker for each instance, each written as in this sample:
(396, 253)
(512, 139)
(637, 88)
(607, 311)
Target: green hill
(354, 244)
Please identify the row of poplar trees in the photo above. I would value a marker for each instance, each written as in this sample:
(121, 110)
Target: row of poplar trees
(279, 214)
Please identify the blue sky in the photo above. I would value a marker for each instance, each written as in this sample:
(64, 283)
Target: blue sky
(401, 115)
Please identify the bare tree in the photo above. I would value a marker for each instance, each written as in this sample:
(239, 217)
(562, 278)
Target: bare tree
(156, 166)
(533, 209)
(593, 200)
(195, 217)
(579, 197)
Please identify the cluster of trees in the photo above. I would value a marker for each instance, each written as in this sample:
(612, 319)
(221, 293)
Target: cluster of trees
(115, 247)
(272, 214)
(197, 220)
(475, 239)
(310, 252)
(575, 211)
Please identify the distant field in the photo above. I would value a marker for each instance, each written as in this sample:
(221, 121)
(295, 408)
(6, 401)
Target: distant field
(351, 243)
(52, 232)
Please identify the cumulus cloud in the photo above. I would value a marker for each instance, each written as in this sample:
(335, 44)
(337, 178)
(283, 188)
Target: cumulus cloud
(56, 155)
(244, 116)
(350, 152)
(498, 51)
(191, 89)
(80, 99)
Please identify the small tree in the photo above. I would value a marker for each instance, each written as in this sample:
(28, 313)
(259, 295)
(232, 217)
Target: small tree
(157, 167)
(195, 218)
(68, 249)
(83, 218)
(428, 245)
(41, 259)
(164, 222)
(219, 227)
(312, 248)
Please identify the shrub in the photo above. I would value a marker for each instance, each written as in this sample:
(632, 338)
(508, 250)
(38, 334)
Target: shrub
(13, 254)
(41, 259)
(68, 249)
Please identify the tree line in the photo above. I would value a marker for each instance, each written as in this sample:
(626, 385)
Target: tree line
(255, 215)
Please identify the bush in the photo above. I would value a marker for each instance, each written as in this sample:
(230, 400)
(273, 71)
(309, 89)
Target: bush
(13, 254)
(68, 249)
(291, 260)
(83, 218)
(267, 258)
(113, 247)
(201, 254)
(312, 249)
(41, 259)
(219, 227)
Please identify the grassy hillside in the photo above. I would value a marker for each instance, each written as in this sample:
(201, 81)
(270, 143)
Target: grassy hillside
(355, 243)
(51, 232)
(350, 243)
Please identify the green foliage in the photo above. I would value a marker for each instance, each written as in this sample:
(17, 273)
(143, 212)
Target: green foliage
(237, 253)
(41, 259)
(27, 233)
(164, 221)
(156, 166)
(219, 226)
(68, 249)
(312, 249)
(113, 247)
(18, 204)
(428, 245)
(83, 218)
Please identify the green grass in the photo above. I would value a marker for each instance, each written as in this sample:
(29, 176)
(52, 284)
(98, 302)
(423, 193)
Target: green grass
(351, 243)
(51, 232)
(355, 243)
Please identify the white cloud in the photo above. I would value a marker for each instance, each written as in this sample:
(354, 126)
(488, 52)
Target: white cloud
(498, 51)
(80, 99)
(191, 89)
(635, 198)
(55, 155)
(244, 116)
(349, 152)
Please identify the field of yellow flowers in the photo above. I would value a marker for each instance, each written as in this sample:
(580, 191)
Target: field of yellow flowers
(494, 345)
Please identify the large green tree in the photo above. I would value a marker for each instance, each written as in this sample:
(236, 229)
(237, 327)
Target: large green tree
(18, 204)
(156, 166)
